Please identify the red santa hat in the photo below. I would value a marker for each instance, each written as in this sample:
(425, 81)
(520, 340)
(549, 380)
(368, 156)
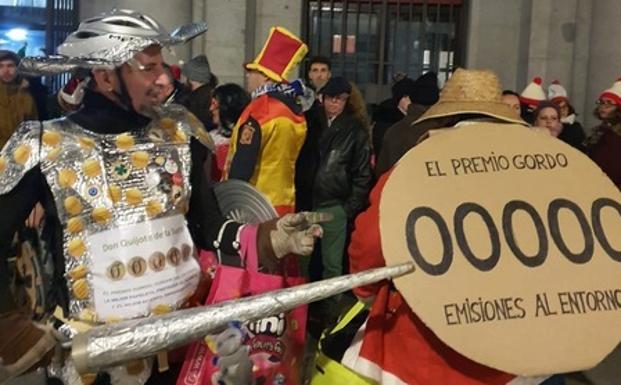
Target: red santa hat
(556, 92)
(613, 92)
(533, 94)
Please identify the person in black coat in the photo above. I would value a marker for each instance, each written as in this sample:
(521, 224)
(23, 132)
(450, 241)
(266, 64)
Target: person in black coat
(343, 179)
(415, 97)
(572, 133)
(410, 99)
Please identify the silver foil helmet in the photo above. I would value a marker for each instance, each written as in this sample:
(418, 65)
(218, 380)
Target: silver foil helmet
(107, 41)
(102, 33)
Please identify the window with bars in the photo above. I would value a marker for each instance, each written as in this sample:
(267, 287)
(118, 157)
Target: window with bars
(62, 19)
(37, 27)
(372, 41)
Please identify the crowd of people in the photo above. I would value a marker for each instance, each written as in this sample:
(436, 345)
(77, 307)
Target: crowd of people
(312, 145)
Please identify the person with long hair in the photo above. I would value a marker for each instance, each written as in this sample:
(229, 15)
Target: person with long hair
(227, 103)
(572, 132)
(604, 144)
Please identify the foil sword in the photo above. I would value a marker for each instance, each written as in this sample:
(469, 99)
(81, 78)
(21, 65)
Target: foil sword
(114, 344)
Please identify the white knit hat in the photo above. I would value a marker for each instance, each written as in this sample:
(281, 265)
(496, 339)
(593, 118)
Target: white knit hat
(533, 94)
(613, 92)
(557, 92)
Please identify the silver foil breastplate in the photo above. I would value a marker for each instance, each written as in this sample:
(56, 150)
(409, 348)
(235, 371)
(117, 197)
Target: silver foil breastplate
(121, 200)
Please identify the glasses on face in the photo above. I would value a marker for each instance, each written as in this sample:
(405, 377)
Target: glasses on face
(605, 103)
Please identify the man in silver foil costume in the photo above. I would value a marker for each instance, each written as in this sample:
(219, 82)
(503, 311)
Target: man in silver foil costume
(125, 191)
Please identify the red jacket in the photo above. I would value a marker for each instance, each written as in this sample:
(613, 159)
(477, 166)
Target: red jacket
(397, 347)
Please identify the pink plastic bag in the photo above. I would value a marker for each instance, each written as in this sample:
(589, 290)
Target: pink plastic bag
(275, 344)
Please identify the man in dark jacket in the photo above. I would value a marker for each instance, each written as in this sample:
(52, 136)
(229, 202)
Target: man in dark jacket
(319, 72)
(199, 84)
(16, 104)
(343, 177)
(120, 168)
(415, 97)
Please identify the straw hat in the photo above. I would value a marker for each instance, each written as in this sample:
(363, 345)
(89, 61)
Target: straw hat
(471, 92)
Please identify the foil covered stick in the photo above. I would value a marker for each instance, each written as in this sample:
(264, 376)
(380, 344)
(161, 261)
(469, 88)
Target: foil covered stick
(114, 344)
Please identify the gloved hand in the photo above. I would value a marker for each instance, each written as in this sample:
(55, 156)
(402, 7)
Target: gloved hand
(291, 234)
(296, 233)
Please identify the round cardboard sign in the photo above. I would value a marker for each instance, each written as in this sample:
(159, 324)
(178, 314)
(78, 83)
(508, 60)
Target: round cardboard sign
(515, 238)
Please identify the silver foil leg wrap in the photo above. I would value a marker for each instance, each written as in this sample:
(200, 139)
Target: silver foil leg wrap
(117, 343)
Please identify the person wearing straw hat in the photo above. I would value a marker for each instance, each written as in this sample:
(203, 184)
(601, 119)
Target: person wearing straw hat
(375, 356)
(270, 132)
(115, 179)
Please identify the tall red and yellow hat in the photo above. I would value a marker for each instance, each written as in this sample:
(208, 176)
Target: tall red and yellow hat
(282, 52)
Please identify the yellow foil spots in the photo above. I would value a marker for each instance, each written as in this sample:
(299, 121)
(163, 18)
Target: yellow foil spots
(101, 215)
(80, 289)
(66, 178)
(78, 273)
(114, 193)
(51, 138)
(53, 155)
(140, 159)
(133, 196)
(153, 208)
(21, 154)
(124, 141)
(86, 143)
(160, 160)
(91, 168)
(73, 205)
(161, 309)
(76, 248)
(75, 225)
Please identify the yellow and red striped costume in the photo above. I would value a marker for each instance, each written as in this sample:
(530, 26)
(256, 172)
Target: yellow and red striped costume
(282, 130)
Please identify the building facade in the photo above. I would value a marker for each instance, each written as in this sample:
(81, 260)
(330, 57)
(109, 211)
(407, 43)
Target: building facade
(572, 41)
